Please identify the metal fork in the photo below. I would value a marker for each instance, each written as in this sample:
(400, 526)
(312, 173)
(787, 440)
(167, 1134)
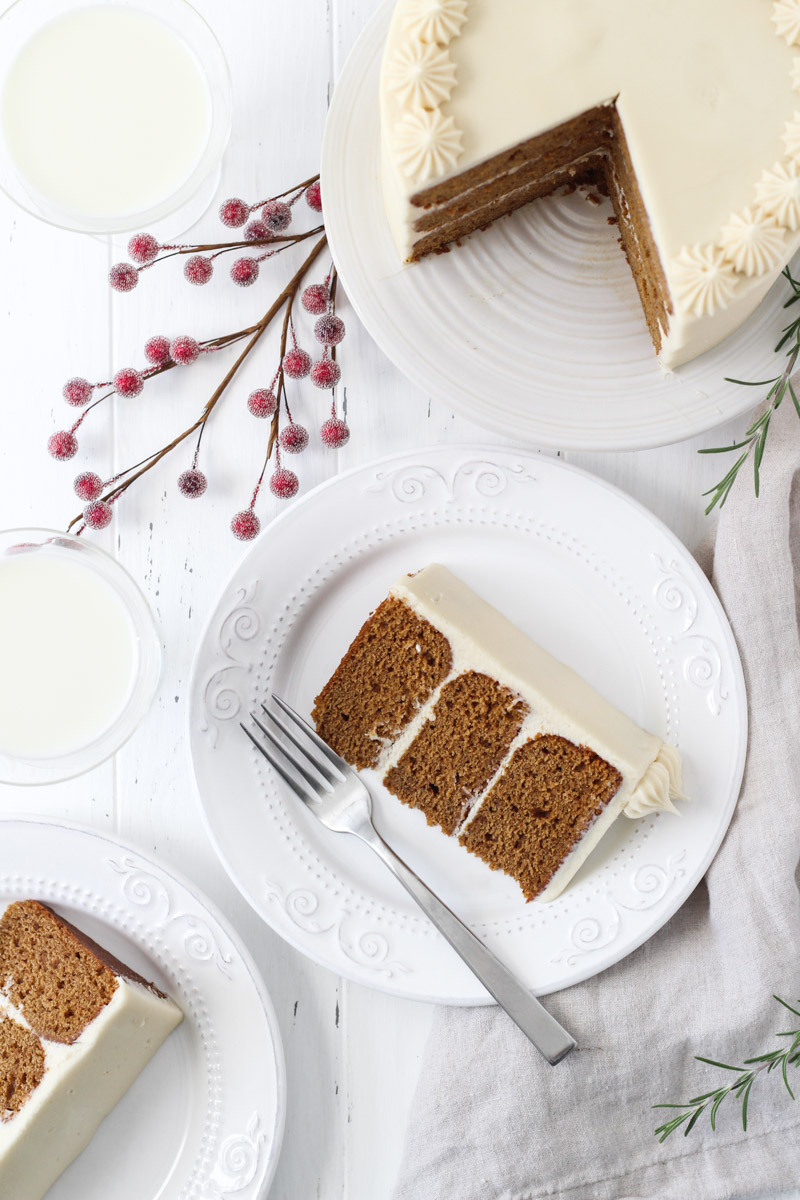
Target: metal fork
(335, 794)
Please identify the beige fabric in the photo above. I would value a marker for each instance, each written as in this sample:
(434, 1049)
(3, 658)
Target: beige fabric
(491, 1121)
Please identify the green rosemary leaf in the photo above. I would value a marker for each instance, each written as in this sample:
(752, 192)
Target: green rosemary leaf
(786, 1077)
(744, 1104)
(793, 394)
(713, 1114)
(693, 1120)
(783, 1002)
(723, 450)
(764, 1057)
(751, 382)
(712, 1063)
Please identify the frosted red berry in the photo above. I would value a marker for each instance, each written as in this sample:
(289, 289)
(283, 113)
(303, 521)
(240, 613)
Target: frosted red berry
(276, 215)
(128, 382)
(262, 402)
(98, 514)
(77, 392)
(293, 438)
(334, 433)
(244, 271)
(192, 483)
(315, 298)
(325, 373)
(284, 484)
(234, 212)
(255, 231)
(62, 445)
(87, 485)
(156, 350)
(143, 247)
(198, 269)
(314, 197)
(297, 363)
(329, 330)
(123, 277)
(245, 525)
(184, 350)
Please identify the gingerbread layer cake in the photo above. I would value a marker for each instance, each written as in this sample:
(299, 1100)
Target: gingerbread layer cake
(76, 1028)
(498, 743)
(686, 113)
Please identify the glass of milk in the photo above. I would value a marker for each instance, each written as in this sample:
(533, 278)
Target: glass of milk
(113, 115)
(80, 656)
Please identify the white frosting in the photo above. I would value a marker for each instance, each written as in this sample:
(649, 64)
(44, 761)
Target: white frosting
(786, 15)
(778, 194)
(422, 74)
(560, 703)
(753, 242)
(426, 144)
(433, 20)
(703, 280)
(81, 1084)
(706, 94)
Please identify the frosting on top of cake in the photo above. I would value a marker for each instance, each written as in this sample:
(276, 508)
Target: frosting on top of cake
(707, 94)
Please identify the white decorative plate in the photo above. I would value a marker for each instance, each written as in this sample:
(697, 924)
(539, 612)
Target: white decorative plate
(576, 564)
(204, 1120)
(534, 325)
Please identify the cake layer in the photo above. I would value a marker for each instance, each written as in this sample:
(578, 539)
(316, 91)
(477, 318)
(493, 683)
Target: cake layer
(471, 87)
(21, 1065)
(393, 667)
(458, 750)
(543, 803)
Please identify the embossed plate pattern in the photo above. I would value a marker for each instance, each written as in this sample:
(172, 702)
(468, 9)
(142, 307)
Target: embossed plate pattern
(576, 564)
(534, 323)
(205, 1118)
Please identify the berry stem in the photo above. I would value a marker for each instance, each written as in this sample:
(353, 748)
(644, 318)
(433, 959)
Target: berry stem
(254, 332)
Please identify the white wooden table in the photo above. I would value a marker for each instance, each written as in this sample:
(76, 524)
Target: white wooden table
(352, 1055)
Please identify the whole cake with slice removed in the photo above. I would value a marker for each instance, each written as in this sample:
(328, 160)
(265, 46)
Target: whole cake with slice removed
(498, 743)
(687, 113)
(76, 1028)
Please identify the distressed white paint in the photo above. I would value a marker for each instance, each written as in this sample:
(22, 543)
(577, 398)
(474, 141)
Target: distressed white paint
(353, 1055)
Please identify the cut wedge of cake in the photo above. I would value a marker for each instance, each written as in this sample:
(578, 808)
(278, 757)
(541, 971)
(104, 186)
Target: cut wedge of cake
(686, 113)
(76, 1028)
(498, 743)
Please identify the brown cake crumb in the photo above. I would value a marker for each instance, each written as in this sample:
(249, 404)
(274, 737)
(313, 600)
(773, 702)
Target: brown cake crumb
(542, 804)
(50, 973)
(459, 749)
(394, 665)
(21, 1066)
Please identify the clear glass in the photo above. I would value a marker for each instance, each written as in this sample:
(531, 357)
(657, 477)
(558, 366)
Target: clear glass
(147, 643)
(24, 19)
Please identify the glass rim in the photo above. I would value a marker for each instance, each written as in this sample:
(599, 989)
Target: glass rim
(221, 107)
(32, 771)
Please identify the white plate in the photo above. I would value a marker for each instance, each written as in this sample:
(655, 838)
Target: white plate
(576, 564)
(204, 1120)
(533, 326)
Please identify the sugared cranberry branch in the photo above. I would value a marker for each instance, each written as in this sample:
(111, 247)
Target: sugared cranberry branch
(163, 354)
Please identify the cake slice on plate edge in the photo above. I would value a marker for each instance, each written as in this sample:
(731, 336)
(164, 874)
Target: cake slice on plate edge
(77, 1027)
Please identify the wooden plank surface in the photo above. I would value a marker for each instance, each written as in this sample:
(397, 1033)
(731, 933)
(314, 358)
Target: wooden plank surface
(353, 1055)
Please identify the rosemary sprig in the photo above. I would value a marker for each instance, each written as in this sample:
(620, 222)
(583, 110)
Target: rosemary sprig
(755, 439)
(746, 1075)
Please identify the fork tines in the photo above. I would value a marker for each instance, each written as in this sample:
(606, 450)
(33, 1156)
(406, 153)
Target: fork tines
(305, 749)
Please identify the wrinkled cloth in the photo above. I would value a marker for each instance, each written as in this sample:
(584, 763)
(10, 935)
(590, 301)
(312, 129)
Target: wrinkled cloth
(492, 1121)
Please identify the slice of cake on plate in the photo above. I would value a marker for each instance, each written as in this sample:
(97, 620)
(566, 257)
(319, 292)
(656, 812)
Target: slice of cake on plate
(76, 1028)
(686, 113)
(498, 743)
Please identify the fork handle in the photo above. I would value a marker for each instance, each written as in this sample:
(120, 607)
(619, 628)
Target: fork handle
(524, 1009)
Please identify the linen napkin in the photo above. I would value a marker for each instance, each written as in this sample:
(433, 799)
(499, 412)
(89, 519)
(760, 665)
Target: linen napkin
(492, 1121)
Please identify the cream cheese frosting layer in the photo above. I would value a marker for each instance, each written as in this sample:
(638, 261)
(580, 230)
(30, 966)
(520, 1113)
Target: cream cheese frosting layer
(560, 702)
(707, 97)
(81, 1084)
